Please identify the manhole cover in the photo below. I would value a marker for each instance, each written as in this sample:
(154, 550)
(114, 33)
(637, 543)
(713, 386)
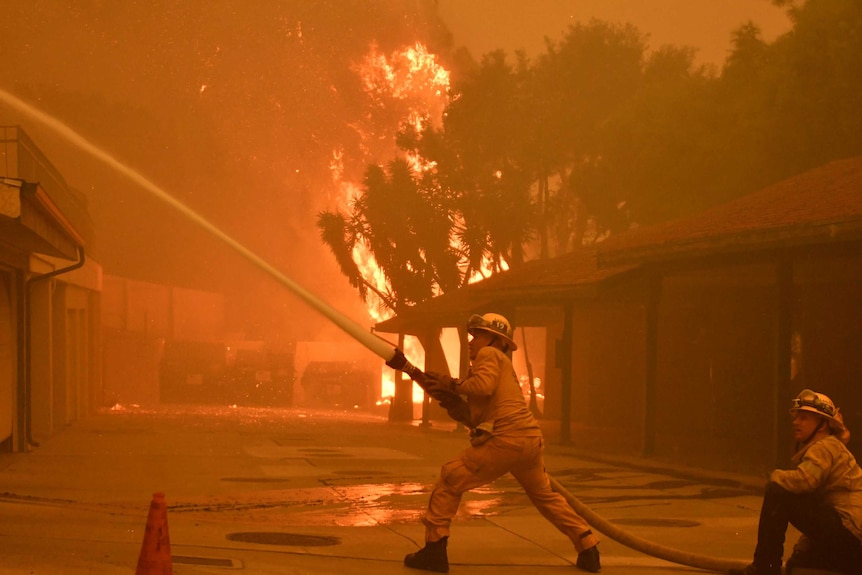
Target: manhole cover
(655, 522)
(287, 539)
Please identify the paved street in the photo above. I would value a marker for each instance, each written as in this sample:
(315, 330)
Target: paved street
(263, 491)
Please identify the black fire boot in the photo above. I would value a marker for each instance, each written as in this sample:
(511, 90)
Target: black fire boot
(757, 569)
(432, 557)
(588, 560)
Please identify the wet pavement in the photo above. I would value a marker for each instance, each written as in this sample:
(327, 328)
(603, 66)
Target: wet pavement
(265, 491)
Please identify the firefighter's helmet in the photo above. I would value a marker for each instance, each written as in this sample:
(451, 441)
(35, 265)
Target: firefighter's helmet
(822, 405)
(493, 323)
(814, 402)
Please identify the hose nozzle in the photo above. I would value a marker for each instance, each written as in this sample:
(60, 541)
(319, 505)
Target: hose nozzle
(399, 362)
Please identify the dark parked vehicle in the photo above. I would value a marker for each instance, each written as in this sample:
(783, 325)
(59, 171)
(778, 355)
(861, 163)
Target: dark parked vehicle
(198, 372)
(338, 384)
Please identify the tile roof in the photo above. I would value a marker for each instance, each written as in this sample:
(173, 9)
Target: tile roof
(822, 205)
(537, 282)
(818, 206)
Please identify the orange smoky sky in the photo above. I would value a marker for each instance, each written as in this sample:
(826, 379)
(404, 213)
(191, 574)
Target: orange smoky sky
(706, 25)
(234, 108)
(237, 107)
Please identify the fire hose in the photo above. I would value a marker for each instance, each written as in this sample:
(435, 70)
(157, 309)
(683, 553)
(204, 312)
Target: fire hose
(392, 356)
(643, 545)
(399, 361)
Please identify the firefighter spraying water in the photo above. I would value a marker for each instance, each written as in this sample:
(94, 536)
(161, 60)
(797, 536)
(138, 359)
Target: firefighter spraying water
(480, 420)
(504, 438)
(436, 386)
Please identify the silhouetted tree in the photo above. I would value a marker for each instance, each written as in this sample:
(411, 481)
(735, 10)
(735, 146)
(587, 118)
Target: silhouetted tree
(818, 113)
(404, 226)
(581, 84)
(478, 166)
(596, 130)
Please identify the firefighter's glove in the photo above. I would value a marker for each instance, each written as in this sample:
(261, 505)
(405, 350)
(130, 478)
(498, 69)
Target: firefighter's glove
(440, 386)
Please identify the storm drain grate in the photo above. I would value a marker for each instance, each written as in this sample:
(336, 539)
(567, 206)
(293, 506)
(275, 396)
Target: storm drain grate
(668, 484)
(287, 539)
(655, 522)
(208, 561)
(324, 456)
(257, 479)
(321, 452)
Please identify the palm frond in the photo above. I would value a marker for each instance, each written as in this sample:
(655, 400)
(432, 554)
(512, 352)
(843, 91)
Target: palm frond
(336, 233)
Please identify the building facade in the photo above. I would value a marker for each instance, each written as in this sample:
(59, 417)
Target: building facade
(687, 340)
(49, 298)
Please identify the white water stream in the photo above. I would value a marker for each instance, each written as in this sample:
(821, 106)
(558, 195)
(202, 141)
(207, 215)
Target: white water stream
(380, 347)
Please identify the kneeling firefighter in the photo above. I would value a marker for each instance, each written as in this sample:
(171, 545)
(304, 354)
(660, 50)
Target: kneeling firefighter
(504, 438)
(821, 496)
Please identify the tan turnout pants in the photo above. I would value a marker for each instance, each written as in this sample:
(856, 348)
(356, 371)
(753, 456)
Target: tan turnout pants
(480, 465)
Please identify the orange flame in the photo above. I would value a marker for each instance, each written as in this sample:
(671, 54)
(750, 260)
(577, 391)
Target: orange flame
(413, 85)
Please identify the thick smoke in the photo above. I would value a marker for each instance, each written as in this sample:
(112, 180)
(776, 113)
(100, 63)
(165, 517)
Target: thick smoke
(233, 107)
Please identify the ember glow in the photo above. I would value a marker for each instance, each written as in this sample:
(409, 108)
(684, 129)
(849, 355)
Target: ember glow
(412, 74)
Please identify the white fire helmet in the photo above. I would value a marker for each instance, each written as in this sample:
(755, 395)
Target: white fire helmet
(822, 405)
(493, 323)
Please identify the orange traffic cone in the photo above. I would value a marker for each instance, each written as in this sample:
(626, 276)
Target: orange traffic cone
(155, 558)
